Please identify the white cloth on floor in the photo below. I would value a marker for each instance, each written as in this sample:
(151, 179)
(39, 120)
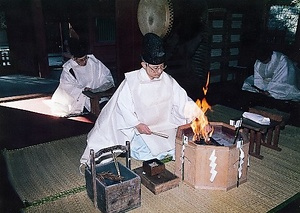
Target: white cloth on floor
(257, 118)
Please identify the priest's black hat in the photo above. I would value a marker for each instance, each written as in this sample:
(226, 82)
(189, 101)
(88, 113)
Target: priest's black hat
(264, 53)
(77, 48)
(153, 49)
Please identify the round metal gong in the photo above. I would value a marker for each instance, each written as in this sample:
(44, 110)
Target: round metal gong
(155, 16)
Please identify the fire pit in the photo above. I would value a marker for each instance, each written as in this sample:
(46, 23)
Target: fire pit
(216, 164)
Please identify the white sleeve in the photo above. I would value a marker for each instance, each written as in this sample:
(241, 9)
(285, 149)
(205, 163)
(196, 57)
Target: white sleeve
(180, 99)
(69, 84)
(125, 109)
(258, 79)
(106, 74)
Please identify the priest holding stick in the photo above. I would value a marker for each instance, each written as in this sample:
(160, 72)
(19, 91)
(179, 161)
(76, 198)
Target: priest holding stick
(146, 109)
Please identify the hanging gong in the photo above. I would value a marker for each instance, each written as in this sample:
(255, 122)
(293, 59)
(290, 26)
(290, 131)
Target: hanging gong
(155, 16)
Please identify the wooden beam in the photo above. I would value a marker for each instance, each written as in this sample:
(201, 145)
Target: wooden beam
(40, 37)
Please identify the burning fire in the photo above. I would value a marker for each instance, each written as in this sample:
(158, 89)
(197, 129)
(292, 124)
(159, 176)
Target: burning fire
(200, 124)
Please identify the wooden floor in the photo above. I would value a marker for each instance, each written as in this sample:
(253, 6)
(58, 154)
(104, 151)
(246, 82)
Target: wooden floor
(20, 128)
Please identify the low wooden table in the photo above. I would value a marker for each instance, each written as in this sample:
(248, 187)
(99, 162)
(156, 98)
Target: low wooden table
(95, 98)
(273, 114)
(266, 135)
(273, 134)
(257, 136)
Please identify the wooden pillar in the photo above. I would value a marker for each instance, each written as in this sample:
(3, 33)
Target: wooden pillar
(20, 38)
(40, 37)
(128, 37)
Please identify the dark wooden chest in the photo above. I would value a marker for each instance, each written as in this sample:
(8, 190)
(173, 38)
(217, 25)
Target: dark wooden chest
(115, 196)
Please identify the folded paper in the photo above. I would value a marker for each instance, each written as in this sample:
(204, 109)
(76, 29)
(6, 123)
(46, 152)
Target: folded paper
(257, 118)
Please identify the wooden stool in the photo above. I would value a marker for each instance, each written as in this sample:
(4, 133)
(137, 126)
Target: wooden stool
(257, 135)
(272, 138)
(95, 98)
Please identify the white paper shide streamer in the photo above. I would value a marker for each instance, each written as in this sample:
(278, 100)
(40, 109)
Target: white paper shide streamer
(239, 145)
(184, 142)
(213, 165)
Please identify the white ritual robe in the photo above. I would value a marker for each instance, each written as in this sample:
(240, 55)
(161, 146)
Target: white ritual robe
(68, 97)
(158, 103)
(280, 77)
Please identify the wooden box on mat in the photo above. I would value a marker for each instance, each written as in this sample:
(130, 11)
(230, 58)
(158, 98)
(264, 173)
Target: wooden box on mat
(211, 166)
(153, 167)
(115, 196)
(158, 183)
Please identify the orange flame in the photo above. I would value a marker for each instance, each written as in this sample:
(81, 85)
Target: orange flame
(205, 89)
(200, 125)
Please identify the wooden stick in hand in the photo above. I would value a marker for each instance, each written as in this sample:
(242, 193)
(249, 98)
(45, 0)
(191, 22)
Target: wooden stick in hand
(160, 134)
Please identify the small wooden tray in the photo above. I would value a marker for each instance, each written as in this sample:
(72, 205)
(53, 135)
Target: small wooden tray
(160, 182)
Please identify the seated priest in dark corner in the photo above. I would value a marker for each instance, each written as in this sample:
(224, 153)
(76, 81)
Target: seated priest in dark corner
(275, 75)
(80, 73)
(145, 110)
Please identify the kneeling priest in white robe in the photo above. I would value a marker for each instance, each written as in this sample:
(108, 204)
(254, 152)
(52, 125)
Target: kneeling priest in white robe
(147, 101)
(82, 72)
(275, 75)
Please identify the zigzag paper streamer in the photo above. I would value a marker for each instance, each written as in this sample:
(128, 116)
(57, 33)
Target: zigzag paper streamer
(213, 165)
(242, 156)
(241, 160)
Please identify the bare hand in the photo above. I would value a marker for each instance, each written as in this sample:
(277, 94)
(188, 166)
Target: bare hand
(143, 129)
